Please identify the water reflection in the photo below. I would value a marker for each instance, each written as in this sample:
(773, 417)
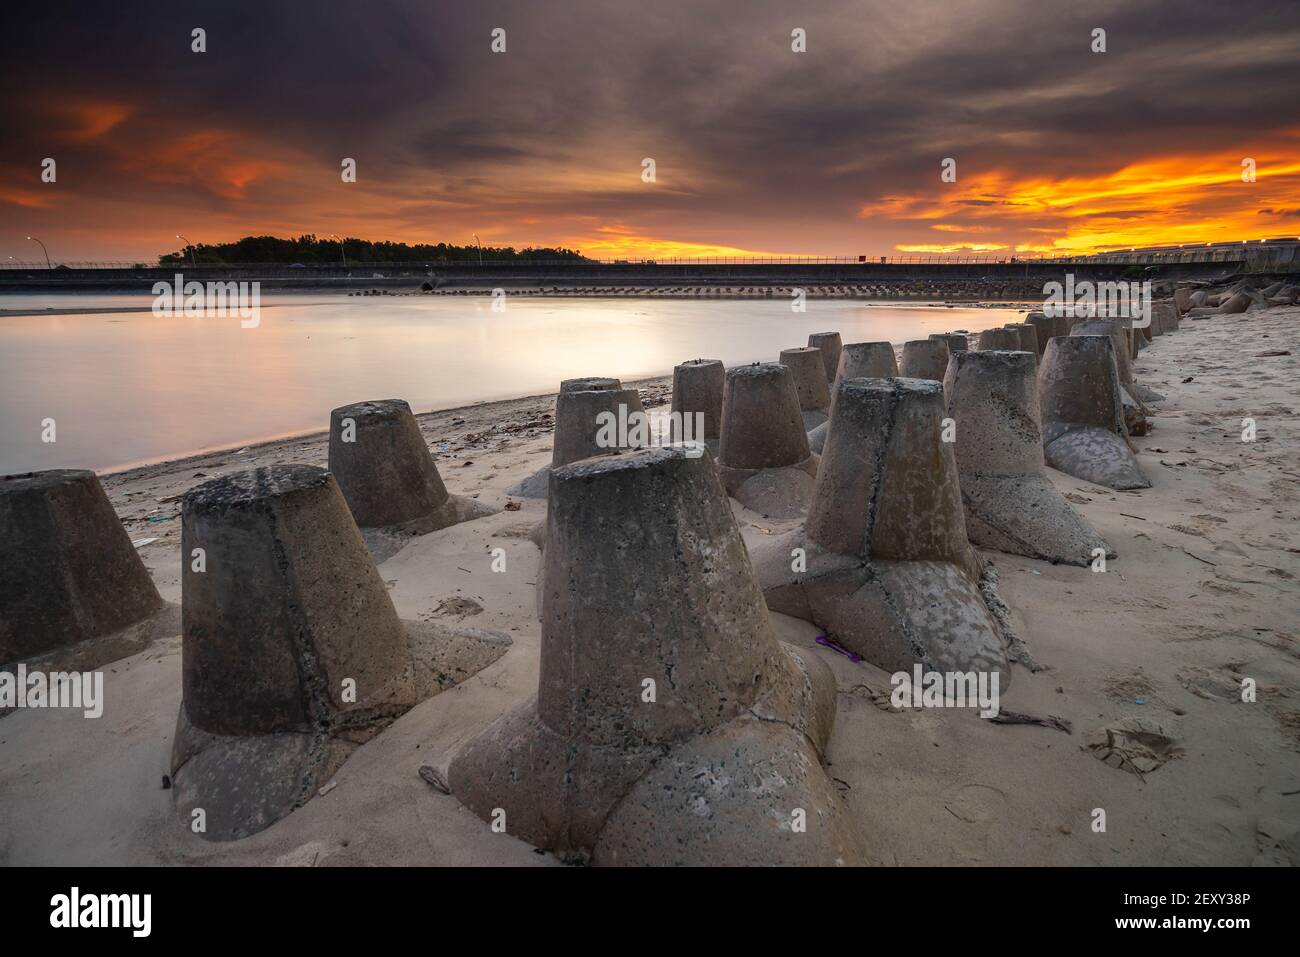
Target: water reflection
(129, 387)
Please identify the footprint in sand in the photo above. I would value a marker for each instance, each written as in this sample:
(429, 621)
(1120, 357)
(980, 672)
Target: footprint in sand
(980, 805)
(976, 803)
(1278, 842)
(1210, 685)
(1129, 688)
(1138, 745)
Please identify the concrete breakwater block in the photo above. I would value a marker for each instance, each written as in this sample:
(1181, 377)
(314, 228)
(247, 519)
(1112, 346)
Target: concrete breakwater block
(859, 360)
(1120, 331)
(1164, 317)
(1061, 324)
(1287, 294)
(883, 563)
(1154, 329)
(872, 360)
(1084, 434)
(389, 478)
(1028, 337)
(697, 388)
(831, 346)
(1000, 340)
(1010, 504)
(1044, 328)
(1235, 304)
(73, 590)
(292, 652)
(924, 359)
(1119, 340)
(808, 372)
(764, 459)
(662, 689)
(957, 342)
(577, 410)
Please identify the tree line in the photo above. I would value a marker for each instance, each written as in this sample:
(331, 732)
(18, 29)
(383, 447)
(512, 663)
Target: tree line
(312, 249)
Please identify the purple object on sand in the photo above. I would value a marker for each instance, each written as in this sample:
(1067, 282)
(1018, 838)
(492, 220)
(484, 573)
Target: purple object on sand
(837, 647)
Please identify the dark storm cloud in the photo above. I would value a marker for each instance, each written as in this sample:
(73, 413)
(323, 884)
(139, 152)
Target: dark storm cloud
(742, 129)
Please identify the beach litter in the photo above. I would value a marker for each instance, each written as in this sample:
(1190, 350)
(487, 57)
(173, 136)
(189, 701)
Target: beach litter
(836, 647)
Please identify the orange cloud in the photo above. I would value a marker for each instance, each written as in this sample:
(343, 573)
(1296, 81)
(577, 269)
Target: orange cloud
(29, 199)
(1170, 199)
(621, 242)
(90, 120)
(219, 161)
(949, 247)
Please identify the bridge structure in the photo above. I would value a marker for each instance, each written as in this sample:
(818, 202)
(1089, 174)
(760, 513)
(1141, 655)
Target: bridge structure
(1171, 262)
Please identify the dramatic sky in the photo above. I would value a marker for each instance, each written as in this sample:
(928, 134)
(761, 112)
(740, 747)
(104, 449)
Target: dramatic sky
(833, 151)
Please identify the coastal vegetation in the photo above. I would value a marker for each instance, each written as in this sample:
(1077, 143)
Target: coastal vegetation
(310, 248)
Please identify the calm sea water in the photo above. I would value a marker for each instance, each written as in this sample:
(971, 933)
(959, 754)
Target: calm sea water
(127, 388)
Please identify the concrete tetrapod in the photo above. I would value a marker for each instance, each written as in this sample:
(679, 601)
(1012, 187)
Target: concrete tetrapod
(1234, 305)
(697, 388)
(808, 372)
(1028, 337)
(872, 360)
(764, 459)
(1061, 324)
(924, 359)
(389, 478)
(1044, 329)
(577, 408)
(1083, 415)
(1119, 331)
(957, 342)
(1011, 505)
(293, 654)
(662, 689)
(74, 593)
(1003, 340)
(1164, 317)
(858, 360)
(1139, 339)
(831, 346)
(886, 568)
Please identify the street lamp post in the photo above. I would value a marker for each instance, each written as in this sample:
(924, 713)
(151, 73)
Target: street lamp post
(44, 250)
(342, 251)
(193, 261)
(480, 248)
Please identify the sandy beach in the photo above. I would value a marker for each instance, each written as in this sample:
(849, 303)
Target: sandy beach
(1142, 663)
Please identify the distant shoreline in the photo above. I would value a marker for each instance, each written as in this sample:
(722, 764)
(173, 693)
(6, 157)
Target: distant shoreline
(982, 303)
